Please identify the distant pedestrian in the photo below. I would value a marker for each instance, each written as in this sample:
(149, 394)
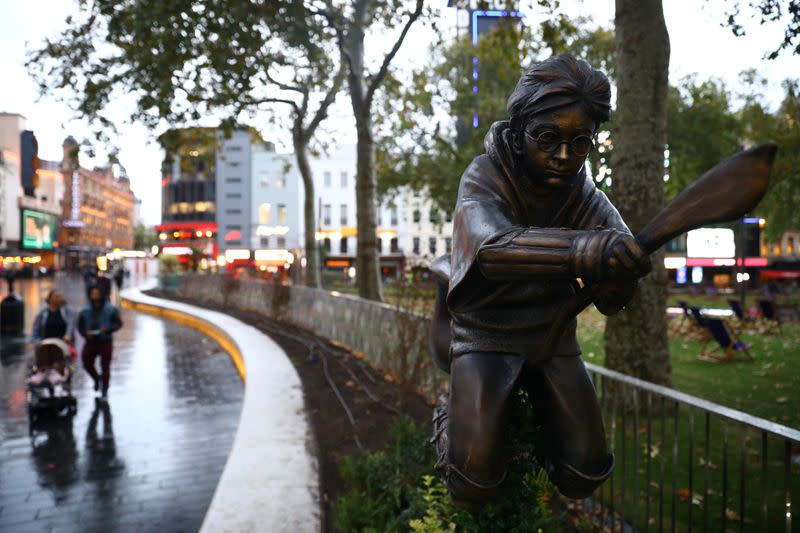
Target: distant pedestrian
(96, 323)
(103, 282)
(119, 277)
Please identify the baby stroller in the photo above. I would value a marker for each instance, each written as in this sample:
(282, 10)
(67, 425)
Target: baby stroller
(50, 382)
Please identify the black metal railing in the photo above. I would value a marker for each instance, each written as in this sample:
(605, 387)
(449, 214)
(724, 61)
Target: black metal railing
(683, 463)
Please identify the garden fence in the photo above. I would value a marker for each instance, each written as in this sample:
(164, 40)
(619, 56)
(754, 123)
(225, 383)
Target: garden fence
(682, 463)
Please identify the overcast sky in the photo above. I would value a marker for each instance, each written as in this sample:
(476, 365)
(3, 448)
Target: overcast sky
(699, 45)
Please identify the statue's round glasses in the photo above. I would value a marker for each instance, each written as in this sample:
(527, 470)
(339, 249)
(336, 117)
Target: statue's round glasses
(550, 142)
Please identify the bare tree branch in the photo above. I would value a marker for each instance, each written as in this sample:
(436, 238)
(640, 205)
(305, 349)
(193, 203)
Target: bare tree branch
(379, 77)
(281, 85)
(330, 97)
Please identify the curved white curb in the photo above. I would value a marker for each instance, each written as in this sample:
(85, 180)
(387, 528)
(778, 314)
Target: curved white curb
(270, 482)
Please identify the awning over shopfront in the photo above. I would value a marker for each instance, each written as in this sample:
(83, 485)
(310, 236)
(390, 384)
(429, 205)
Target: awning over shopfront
(779, 274)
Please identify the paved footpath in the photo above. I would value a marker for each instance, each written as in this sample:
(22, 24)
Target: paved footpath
(149, 460)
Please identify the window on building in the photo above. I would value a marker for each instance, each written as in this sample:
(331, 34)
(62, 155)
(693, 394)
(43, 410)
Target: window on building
(282, 214)
(233, 180)
(343, 214)
(448, 245)
(233, 148)
(776, 250)
(233, 195)
(432, 245)
(415, 245)
(343, 177)
(281, 242)
(234, 163)
(327, 178)
(394, 246)
(343, 245)
(280, 183)
(790, 246)
(326, 244)
(233, 211)
(265, 242)
(326, 215)
(417, 215)
(379, 213)
(448, 216)
(416, 194)
(433, 216)
(264, 180)
(263, 213)
(393, 216)
(379, 244)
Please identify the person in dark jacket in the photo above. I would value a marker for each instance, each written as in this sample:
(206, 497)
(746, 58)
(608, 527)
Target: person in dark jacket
(55, 320)
(96, 323)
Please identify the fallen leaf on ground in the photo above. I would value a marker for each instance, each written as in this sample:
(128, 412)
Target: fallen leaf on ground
(730, 514)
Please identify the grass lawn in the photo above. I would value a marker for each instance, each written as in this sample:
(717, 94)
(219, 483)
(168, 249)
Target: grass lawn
(767, 387)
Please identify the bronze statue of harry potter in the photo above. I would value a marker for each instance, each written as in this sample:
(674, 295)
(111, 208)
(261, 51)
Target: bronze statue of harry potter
(528, 224)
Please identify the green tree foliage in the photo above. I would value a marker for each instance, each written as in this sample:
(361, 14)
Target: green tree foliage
(182, 61)
(702, 130)
(144, 237)
(769, 12)
(705, 125)
(779, 206)
(430, 139)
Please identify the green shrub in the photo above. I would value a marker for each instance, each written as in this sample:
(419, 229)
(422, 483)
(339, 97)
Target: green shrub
(396, 489)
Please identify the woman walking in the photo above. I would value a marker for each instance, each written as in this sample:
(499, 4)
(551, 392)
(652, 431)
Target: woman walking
(55, 321)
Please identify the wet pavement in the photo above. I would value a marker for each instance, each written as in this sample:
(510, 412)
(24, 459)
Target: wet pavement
(148, 460)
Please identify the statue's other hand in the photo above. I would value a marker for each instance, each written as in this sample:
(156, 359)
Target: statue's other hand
(627, 259)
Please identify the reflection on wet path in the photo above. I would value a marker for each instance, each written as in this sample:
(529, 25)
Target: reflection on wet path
(149, 460)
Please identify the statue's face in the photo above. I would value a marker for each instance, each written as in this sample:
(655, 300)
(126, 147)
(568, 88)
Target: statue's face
(545, 160)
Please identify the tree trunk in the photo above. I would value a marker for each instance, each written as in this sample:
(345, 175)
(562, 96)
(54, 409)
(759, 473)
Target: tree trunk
(636, 338)
(310, 221)
(367, 260)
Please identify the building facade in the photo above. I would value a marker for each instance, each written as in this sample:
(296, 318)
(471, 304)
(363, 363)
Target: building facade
(428, 230)
(188, 193)
(98, 210)
(276, 201)
(11, 127)
(335, 189)
(233, 195)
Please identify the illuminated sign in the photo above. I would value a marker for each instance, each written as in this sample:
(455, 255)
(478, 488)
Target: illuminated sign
(39, 230)
(75, 207)
(266, 231)
(674, 262)
(176, 250)
(337, 263)
(237, 255)
(710, 242)
(274, 256)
